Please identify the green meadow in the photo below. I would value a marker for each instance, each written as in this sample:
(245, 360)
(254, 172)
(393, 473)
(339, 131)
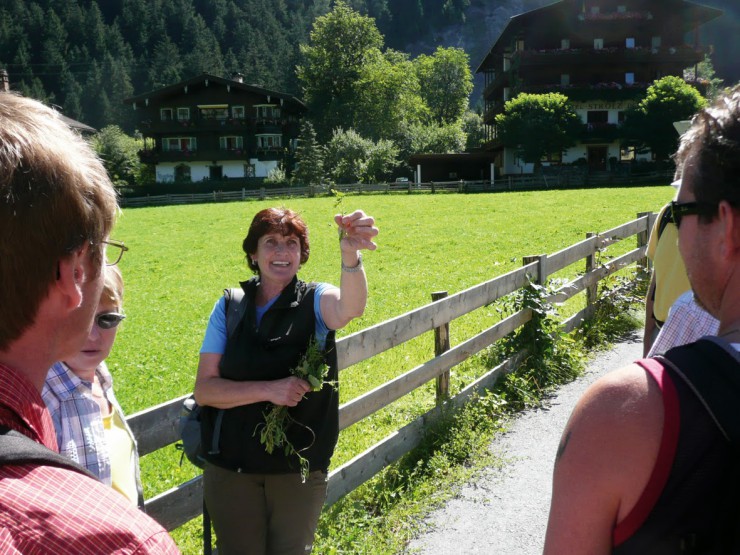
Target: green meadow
(182, 257)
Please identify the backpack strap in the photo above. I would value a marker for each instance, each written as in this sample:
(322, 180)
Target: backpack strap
(711, 368)
(665, 219)
(18, 449)
(236, 306)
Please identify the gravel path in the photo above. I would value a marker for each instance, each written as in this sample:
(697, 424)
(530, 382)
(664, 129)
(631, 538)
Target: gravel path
(504, 511)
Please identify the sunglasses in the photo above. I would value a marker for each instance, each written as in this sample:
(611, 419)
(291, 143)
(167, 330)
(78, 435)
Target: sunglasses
(109, 320)
(681, 209)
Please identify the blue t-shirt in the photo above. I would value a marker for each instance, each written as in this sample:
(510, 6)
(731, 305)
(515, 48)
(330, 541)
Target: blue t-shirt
(215, 337)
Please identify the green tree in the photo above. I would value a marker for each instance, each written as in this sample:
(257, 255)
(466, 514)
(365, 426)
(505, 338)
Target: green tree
(475, 130)
(309, 157)
(538, 124)
(387, 96)
(704, 71)
(351, 158)
(446, 83)
(432, 139)
(340, 45)
(649, 125)
(119, 153)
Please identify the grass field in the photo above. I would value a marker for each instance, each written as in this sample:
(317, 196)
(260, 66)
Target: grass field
(182, 257)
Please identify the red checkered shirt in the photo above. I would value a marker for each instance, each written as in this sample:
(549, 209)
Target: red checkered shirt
(50, 510)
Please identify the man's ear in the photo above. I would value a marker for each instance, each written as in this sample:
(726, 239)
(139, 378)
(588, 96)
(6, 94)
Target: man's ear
(730, 219)
(72, 274)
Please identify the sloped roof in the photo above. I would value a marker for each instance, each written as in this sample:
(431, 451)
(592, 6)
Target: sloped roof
(696, 14)
(207, 77)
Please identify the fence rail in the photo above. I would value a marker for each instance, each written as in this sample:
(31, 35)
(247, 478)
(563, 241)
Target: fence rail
(156, 427)
(506, 183)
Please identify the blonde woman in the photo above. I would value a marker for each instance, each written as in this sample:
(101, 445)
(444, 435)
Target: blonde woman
(90, 426)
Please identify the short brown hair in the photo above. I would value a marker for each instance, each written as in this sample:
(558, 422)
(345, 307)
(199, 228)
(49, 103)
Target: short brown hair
(55, 197)
(275, 220)
(712, 147)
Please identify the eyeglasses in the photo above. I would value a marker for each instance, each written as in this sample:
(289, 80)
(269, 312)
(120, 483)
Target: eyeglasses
(681, 209)
(113, 256)
(109, 320)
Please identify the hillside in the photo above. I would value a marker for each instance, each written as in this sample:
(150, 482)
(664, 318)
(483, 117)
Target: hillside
(86, 56)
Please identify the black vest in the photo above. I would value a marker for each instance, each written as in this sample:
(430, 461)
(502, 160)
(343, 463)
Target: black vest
(268, 352)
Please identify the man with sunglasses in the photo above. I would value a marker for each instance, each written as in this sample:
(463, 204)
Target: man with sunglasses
(648, 461)
(90, 424)
(57, 208)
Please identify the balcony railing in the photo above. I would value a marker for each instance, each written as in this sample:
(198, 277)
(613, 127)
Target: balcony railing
(683, 54)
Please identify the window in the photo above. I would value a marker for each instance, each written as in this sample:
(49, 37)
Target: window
(231, 143)
(183, 114)
(182, 173)
(598, 44)
(564, 44)
(507, 63)
(519, 45)
(621, 114)
(166, 114)
(507, 93)
(248, 170)
(595, 10)
(267, 111)
(214, 113)
(269, 141)
(626, 153)
(629, 78)
(564, 79)
(179, 144)
(237, 112)
(655, 42)
(629, 42)
(552, 158)
(621, 9)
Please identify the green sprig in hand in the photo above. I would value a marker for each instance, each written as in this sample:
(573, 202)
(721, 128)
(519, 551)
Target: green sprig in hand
(314, 370)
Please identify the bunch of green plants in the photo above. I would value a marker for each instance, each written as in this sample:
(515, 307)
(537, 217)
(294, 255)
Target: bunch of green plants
(273, 431)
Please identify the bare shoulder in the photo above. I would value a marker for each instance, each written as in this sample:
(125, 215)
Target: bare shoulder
(605, 458)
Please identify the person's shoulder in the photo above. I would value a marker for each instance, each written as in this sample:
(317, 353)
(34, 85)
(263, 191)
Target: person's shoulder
(625, 404)
(63, 499)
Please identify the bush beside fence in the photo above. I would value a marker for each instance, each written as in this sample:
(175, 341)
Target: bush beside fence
(156, 427)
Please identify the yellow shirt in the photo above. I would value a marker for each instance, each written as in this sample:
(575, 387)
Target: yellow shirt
(671, 280)
(121, 450)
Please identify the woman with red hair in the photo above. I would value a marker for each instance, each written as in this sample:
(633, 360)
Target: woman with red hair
(264, 501)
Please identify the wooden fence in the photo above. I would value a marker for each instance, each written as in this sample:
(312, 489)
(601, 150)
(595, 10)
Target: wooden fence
(507, 183)
(156, 427)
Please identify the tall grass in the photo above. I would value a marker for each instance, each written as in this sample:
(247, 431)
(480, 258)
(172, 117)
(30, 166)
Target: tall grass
(182, 257)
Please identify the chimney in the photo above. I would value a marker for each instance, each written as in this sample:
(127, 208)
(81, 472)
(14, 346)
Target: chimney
(238, 77)
(4, 81)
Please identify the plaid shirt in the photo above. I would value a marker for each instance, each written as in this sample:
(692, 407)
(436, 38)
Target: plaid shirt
(687, 322)
(45, 509)
(77, 420)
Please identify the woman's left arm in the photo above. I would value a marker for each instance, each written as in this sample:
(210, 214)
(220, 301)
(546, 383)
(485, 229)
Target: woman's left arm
(340, 305)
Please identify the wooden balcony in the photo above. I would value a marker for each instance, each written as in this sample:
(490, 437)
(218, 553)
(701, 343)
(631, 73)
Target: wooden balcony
(604, 57)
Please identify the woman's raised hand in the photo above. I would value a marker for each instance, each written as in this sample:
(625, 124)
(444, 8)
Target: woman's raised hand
(358, 230)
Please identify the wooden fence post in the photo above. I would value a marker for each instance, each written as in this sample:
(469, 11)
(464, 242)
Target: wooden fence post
(591, 290)
(541, 277)
(442, 344)
(642, 240)
(262, 193)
